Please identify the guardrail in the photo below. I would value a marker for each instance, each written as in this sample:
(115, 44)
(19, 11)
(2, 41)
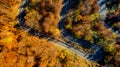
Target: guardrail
(104, 10)
(96, 56)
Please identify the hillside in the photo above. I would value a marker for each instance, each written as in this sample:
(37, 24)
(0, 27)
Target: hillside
(20, 49)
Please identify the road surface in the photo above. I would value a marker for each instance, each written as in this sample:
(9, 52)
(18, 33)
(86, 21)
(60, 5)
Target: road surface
(104, 11)
(96, 56)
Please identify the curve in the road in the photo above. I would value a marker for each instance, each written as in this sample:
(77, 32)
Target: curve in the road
(96, 56)
(21, 20)
(105, 6)
(98, 53)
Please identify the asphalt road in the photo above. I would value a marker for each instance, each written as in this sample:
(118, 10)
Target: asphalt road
(96, 56)
(103, 13)
(98, 53)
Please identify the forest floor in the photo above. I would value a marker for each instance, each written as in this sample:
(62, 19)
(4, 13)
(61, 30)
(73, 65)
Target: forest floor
(20, 49)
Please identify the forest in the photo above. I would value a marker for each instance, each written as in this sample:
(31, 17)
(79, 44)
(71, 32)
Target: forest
(85, 23)
(18, 48)
(43, 16)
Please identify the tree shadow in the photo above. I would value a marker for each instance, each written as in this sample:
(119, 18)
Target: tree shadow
(111, 19)
(112, 4)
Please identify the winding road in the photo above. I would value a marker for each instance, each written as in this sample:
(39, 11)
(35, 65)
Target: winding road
(104, 11)
(98, 53)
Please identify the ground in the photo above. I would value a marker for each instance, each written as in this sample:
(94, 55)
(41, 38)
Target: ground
(20, 49)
